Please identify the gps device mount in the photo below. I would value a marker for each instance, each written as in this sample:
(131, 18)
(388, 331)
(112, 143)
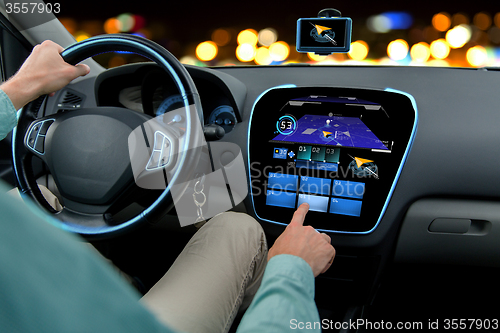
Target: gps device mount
(329, 12)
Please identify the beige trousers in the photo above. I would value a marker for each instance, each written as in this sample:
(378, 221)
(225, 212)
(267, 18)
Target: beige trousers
(217, 273)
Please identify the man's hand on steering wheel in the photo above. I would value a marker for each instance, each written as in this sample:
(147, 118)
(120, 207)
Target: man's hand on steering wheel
(43, 72)
(92, 168)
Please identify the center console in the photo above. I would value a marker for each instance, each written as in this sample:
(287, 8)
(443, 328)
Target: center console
(340, 150)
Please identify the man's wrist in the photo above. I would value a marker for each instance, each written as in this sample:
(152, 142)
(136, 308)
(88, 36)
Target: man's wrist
(20, 91)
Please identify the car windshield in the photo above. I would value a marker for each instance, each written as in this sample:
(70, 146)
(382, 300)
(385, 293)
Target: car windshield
(252, 33)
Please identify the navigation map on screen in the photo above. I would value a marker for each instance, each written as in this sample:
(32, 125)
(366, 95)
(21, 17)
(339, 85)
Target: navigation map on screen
(335, 131)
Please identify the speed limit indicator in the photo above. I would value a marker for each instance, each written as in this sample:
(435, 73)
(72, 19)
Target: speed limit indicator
(286, 125)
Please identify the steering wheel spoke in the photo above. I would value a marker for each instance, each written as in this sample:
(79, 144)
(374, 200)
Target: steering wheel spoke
(36, 135)
(82, 221)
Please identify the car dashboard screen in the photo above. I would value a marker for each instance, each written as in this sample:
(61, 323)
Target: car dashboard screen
(339, 150)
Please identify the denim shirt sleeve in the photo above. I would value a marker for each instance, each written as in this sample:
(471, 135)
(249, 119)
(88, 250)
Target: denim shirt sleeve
(51, 282)
(285, 299)
(8, 115)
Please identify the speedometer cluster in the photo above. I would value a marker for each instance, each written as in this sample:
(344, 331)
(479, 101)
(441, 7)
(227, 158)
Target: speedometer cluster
(157, 93)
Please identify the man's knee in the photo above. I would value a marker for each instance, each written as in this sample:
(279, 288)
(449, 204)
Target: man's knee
(238, 224)
(237, 221)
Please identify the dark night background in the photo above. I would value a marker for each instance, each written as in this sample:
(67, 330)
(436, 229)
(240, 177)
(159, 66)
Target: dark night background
(181, 25)
(195, 20)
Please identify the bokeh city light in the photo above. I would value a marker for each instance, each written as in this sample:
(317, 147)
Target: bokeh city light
(248, 36)
(445, 38)
(359, 50)
(397, 49)
(262, 56)
(477, 56)
(206, 51)
(245, 52)
(279, 51)
(441, 21)
(267, 36)
(420, 52)
(458, 36)
(440, 49)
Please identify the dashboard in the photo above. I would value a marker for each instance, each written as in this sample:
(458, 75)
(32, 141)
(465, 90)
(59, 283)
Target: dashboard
(149, 90)
(397, 163)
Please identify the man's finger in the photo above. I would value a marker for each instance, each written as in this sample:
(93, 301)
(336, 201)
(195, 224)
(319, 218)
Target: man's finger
(328, 239)
(82, 69)
(59, 48)
(300, 215)
(329, 264)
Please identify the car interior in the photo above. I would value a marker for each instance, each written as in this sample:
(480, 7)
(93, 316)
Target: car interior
(397, 163)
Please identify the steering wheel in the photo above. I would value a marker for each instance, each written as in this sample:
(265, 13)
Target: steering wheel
(87, 150)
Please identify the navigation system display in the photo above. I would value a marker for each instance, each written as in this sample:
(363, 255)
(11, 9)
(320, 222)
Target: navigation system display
(336, 131)
(339, 150)
(324, 35)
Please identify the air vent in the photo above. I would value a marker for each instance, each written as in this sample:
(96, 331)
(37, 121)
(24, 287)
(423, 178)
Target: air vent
(70, 100)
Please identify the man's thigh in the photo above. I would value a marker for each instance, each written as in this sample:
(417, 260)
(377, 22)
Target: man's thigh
(218, 271)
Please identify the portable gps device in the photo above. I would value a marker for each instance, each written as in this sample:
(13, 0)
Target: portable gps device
(328, 33)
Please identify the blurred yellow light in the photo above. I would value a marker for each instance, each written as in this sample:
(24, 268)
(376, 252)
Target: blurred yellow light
(359, 50)
(440, 49)
(188, 60)
(206, 51)
(420, 52)
(245, 52)
(69, 24)
(221, 37)
(112, 26)
(315, 57)
(441, 21)
(477, 56)
(248, 36)
(458, 36)
(81, 36)
(386, 61)
(116, 61)
(127, 22)
(262, 56)
(327, 62)
(459, 18)
(438, 63)
(267, 36)
(279, 51)
(397, 49)
(497, 19)
(482, 20)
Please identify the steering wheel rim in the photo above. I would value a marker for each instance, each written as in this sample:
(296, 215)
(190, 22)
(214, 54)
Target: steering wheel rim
(74, 54)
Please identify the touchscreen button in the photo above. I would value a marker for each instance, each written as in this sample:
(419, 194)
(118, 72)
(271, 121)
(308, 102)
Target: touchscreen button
(348, 189)
(283, 182)
(280, 199)
(345, 207)
(315, 185)
(316, 203)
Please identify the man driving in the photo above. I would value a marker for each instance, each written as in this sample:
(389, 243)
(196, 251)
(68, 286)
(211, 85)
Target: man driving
(51, 281)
